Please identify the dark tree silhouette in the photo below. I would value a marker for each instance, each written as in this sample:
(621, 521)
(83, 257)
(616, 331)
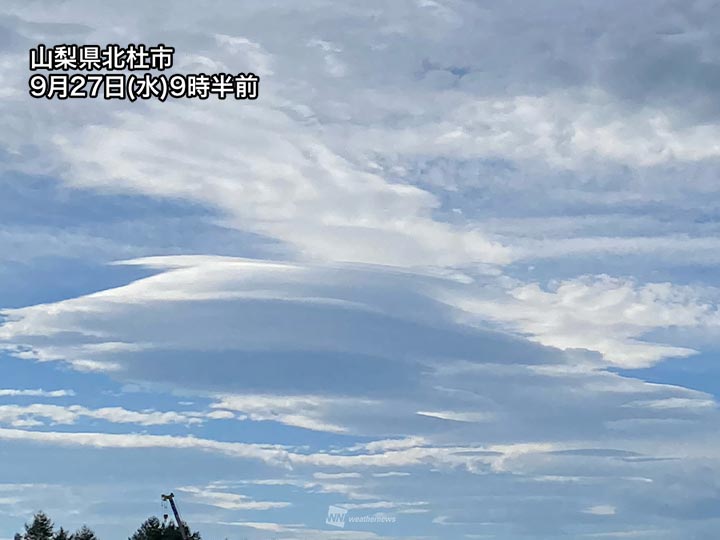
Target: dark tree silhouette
(84, 533)
(152, 529)
(62, 534)
(41, 528)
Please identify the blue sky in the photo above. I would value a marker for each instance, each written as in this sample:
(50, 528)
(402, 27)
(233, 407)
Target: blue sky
(456, 266)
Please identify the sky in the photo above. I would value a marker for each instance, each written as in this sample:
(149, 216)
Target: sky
(454, 271)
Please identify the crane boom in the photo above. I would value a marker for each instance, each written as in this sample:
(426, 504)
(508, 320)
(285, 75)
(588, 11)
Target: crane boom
(180, 523)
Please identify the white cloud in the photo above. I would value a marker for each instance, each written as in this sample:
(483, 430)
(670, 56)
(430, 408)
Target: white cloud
(295, 189)
(458, 416)
(268, 453)
(37, 414)
(336, 476)
(299, 411)
(601, 510)
(565, 129)
(600, 313)
(230, 501)
(13, 392)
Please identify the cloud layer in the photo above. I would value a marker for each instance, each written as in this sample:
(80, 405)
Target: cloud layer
(414, 277)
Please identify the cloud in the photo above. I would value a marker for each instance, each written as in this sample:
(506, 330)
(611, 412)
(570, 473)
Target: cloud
(300, 411)
(268, 453)
(230, 501)
(363, 170)
(608, 315)
(331, 198)
(356, 352)
(13, 392)
(605, 510)
(603, 314)
(489, 177)
(36, 414)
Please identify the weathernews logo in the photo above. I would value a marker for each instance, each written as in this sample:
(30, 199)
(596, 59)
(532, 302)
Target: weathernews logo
(337, 516)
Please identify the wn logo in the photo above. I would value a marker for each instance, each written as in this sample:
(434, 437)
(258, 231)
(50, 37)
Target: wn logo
(336, 516)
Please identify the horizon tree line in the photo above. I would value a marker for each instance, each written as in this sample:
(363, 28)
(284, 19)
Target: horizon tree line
(42, 528)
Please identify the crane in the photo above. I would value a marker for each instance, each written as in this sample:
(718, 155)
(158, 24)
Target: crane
(180, 523)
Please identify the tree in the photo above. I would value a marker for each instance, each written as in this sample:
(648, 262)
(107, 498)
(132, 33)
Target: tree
(84, 533)
(62, 534)
(152, 529)
(172, 532)
(41, 528)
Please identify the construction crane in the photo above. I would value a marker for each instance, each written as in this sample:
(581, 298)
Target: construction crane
(184, 530)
